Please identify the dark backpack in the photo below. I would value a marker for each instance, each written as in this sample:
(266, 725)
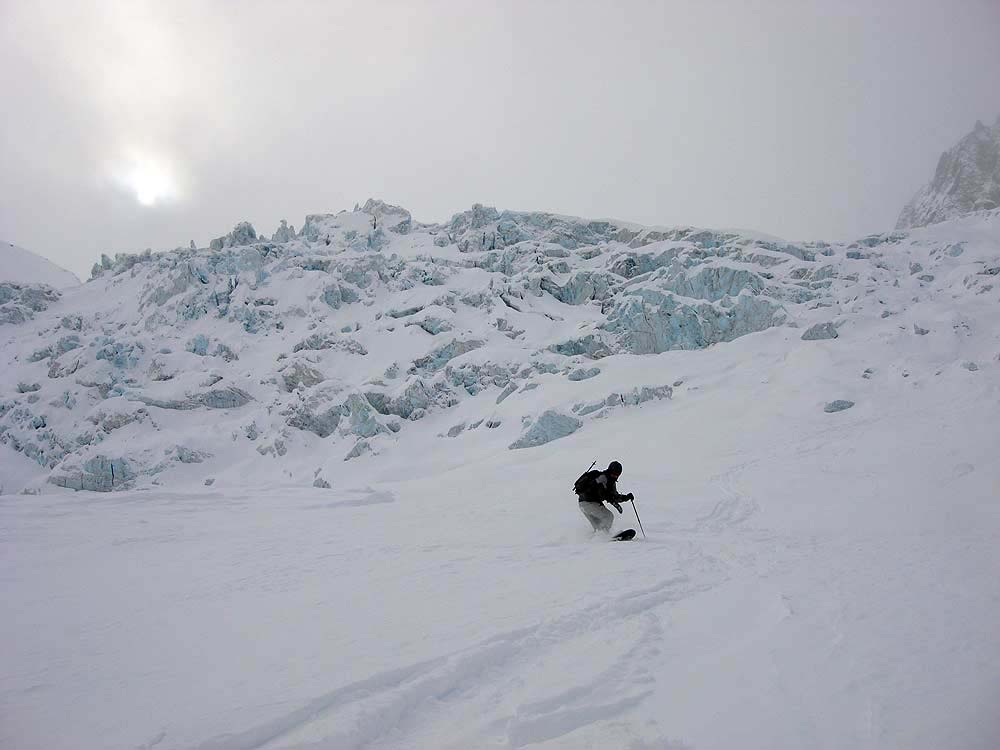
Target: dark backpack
(587, 485)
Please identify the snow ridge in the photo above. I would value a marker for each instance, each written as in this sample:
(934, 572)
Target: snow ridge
(20, 266)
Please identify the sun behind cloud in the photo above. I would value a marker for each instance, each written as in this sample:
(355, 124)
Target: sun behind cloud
(149, 178)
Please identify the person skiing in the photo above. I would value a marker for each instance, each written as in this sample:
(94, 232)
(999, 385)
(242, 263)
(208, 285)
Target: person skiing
(594, 488)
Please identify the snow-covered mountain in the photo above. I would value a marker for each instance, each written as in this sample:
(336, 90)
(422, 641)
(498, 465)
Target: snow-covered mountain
(389, 417)
(297, 353)
(20, 266)
(967, 179)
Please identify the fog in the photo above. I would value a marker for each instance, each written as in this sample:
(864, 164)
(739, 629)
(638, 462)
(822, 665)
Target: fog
(147, 124)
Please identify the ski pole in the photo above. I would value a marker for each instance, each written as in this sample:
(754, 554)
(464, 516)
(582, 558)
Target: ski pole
(637, 519)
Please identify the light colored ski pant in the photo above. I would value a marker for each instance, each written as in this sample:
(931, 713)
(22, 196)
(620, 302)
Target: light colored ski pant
(600, 517)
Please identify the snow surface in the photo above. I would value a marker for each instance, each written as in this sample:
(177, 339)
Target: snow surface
(808, 579)
(25, 267)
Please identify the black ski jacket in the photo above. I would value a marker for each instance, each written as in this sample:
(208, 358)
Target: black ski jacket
(602, 489)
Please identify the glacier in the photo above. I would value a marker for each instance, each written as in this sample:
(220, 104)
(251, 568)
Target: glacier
(365, 322)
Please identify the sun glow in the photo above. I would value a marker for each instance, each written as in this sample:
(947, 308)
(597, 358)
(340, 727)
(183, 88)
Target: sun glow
(148, 178)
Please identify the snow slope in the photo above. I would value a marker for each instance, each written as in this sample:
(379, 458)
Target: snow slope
(24, 267)
(809, 578)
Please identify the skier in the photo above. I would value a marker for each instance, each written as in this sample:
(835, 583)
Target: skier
(594, 488)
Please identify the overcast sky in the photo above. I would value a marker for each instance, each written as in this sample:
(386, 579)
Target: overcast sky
(135, 124)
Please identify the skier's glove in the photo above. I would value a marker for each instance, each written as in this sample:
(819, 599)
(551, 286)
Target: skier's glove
(630, 496)
(617, 507)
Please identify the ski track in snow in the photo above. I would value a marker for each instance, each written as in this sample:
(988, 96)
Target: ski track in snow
(733, 509)
(383, 709)
(595, 672)
(390, 709)
(365, 497)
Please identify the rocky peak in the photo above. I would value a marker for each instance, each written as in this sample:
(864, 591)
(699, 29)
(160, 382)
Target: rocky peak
(967, 179)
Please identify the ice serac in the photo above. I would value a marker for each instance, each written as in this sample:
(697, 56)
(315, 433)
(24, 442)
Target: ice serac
(484, 228)
(20, 302)
(352, 337)
(551, 425)
(97, 474)
(284, 233)
(388, 217)
(651, 321)
(967, 179)
(820, 331)
(243, 234)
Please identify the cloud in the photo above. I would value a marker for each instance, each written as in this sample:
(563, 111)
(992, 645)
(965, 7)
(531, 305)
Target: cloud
(148, 123)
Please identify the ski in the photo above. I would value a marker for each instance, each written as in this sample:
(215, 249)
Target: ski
(623, 536)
